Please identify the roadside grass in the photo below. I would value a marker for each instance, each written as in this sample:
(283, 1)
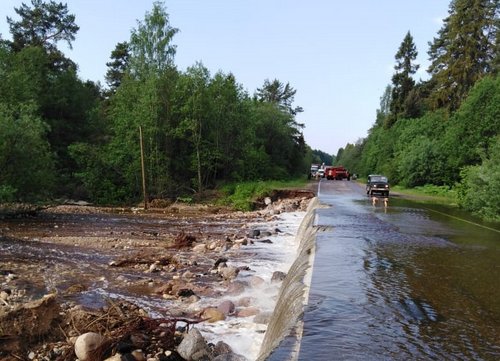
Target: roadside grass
(242, 195)
(429, 192)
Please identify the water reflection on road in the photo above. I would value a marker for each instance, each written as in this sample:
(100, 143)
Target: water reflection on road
(406, 281)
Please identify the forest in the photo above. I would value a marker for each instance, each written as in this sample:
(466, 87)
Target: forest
(442, 133)
(62, 137)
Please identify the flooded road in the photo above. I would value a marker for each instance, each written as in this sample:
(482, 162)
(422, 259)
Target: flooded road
(406, 281)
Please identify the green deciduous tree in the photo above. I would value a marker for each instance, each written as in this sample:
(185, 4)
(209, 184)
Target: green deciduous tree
(25, 157)
(194, 115)
(419, 156)
(479, 191)
(474, 126)
(144, 99)
(150, 45)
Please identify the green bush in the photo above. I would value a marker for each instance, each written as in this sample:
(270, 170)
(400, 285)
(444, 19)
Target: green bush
(479, 190)
(7, 194)
(242, 196)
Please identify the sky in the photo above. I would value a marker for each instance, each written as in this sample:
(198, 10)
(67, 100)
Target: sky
(338, 55)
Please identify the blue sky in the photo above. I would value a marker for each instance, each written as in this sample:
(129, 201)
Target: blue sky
(338, 55)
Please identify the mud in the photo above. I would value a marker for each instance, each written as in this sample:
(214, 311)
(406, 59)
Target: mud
(54, 261)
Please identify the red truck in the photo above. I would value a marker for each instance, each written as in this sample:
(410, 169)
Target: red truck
(337, 173)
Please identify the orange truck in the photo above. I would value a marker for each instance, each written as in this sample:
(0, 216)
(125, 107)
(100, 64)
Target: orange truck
(337, 173)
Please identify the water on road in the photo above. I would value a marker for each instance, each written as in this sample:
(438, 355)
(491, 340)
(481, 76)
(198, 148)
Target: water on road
(403, 282)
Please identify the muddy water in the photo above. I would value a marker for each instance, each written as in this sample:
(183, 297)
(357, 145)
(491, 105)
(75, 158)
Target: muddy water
(73, 255)
(406, 281)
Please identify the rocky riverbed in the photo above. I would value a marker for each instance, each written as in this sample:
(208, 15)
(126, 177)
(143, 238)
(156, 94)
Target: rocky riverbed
(124, 283)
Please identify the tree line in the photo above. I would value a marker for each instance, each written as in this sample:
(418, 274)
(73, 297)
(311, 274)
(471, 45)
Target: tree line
(61, 136)
(444, 131)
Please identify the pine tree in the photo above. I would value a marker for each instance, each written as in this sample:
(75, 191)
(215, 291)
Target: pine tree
(118, 66)
(402, 80)
(464, 50)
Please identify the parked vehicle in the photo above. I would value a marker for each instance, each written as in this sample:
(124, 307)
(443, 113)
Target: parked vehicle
(377, 184)
(337, 173)
(314, 170)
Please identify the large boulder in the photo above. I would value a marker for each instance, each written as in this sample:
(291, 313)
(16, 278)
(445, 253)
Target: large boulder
(227, 307)
(212, 314)
(193, 346)
(87, 344)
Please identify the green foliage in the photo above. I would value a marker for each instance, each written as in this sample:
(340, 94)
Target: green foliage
(402, 80)
(198, 130)
(276, 92)
(242, 195)
(320, 157)
(418, 155)
(43, 24)
(438, 191)
(25, 158)
(7, 193)
(151, 48)
(350, 156)
(464, 50)
(479, 191)
(117, 68)
(474, 126)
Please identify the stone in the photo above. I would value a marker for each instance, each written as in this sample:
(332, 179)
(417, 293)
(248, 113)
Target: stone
(254, 233)
(241, 241)
(188, 275)
(138, 355)
(245, 301)
(278, 276)
(236, 288)
(256, 281)
(247, 312)
(154, 268)
(199, 248)
(212, 314)
(227, 307)
(229, 272)
(191, 299)
(4, 296)
(185, 292)
(87, 343)
(193, 346)
(221, 348)
(220, 261)
(268, 201)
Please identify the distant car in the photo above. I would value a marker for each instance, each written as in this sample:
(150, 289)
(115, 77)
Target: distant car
(321, 173)
(377, 184)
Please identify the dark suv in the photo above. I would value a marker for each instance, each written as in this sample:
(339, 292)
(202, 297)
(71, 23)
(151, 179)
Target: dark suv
(377, 184)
